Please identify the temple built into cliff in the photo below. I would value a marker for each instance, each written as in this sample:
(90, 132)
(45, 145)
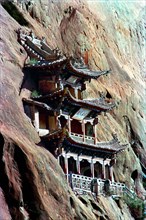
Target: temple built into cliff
(66, 123)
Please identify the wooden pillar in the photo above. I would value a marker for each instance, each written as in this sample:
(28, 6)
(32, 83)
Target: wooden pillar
(56, 121)
(95, 135)
(69, 124)
(83, 130)
(92, 167)
(103, 170)
(111, 173)
(36, 119)
(66, 165)
(78, 165)
(76, 93)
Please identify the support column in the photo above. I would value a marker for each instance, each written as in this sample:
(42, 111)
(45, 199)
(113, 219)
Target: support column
(83, 129)
(95, 135)
(69, 124)
(76, 93)
(92, 168)
(78, 164)
(66, 166)
(56, 121)
(111, 173)
(103, 170)
(36, 119)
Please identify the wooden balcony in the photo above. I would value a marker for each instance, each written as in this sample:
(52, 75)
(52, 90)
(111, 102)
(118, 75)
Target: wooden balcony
(86, 185)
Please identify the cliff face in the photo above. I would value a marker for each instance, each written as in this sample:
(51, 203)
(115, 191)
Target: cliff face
(113, 33)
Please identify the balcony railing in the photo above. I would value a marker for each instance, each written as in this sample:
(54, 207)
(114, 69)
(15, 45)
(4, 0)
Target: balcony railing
(83, 185)
(81, 138)
(92, 140)
(80, 184)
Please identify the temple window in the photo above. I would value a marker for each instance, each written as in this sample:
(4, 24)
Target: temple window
(43, 120)
(89, 129)
(52, 123)
(47, 121)
(76, 127)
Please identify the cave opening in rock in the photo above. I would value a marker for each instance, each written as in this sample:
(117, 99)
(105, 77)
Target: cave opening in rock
(72, 202)
(15, 13)
(108, 95)
(134, 175)
(83, 200)
(1, 141)
(83, 216)
(30, 83)
(28, 188)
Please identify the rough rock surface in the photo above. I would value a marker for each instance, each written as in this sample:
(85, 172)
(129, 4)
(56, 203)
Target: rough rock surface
(32, 183)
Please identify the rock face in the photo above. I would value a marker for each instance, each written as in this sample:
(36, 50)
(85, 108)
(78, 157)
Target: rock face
(32, 184)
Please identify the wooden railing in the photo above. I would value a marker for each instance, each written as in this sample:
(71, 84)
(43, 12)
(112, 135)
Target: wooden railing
(80, 184)
(83, 185)
(91, 140)
(80, 137)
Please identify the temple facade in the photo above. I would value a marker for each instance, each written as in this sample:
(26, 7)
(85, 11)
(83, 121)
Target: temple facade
(66, 123)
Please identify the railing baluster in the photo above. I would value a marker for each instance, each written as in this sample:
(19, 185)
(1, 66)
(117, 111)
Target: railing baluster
(81, 184)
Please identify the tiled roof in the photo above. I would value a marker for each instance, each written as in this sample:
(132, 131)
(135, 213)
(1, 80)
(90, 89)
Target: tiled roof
(39, 104)
(47, 64)
(85, 72)
(97, 104)
(112, 146)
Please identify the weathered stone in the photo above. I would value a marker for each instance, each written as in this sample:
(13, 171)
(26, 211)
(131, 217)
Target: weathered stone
(113, 34)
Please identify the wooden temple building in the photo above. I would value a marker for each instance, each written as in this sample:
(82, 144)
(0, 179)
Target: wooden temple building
(67, 123)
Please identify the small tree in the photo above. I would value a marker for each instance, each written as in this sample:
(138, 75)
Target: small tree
(135, 205)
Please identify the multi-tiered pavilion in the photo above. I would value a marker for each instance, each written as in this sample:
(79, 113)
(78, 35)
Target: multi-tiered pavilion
(66, 123)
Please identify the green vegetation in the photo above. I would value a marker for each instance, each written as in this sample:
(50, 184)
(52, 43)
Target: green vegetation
(32, 61)
(15, 13)
(136, 206)
(35, 94)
